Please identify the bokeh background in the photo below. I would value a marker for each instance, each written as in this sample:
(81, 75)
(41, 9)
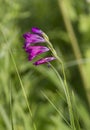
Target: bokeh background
(67, 23)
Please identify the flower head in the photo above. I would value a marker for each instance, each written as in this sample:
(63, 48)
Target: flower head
(44, 60)
(37, 36)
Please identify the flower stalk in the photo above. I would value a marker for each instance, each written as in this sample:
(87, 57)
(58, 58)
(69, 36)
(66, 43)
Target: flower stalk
(37, 36)
(65, 86)
(50, 46)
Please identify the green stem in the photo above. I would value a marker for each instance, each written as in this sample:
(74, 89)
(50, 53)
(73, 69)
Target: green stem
(65, 86)
(21, 84)
(55, 108)
(11, 107)
(67, 93)
(75, 47)
(24, 93)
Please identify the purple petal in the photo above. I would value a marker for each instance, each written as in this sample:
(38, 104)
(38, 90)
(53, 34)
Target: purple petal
(44, 60)
(37, 30)
(33, 51)
(32, 38)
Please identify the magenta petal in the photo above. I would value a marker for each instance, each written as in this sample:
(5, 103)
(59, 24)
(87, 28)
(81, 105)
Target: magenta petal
(44, 60)
(36, 36)
(33, 51)
(37, 30)
(32, 38)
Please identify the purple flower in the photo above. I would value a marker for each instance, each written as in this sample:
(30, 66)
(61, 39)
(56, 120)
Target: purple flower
(33, 51)
(37, 31)
(36, 37)
(44, 60)
(32, 38)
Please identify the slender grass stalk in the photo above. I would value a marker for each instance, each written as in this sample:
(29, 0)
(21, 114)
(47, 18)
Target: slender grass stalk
(57, 110)
(24, 93)
(67, 96)
(12, 125)
(75, 113)
(75, 46)
(21, 84)
(64, 84)
(4, 117)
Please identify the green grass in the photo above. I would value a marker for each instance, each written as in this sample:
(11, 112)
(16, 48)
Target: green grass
(36, 98)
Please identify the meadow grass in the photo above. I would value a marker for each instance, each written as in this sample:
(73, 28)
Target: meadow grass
(36, 98)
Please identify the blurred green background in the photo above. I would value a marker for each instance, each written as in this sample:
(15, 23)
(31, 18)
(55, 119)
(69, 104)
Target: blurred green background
(67, 23)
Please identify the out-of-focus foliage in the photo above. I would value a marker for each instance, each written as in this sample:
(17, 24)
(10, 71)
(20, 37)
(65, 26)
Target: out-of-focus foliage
(16, 18)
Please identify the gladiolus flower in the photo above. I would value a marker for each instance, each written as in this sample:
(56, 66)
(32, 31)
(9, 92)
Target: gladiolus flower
(33, 51)
(32, 38)
(37, 31)
(44, 60)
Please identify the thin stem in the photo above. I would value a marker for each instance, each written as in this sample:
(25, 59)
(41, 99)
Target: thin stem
(75, 46)
(21, 84)
(24, 93)
(67, 95)
(11, 107)
(55, 108)
(68, 98)
(65, 86)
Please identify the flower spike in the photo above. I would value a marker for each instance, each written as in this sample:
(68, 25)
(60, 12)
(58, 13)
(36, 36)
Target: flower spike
(37, 36)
